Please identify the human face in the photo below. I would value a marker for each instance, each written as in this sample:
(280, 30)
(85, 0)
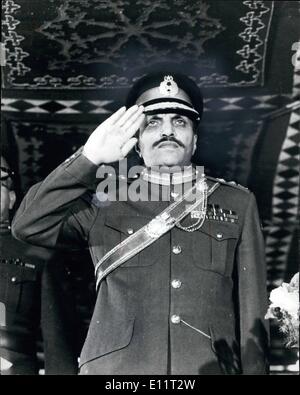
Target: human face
(8, 197)
(167, 140)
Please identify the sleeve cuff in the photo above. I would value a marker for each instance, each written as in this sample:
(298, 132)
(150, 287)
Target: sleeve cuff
(81, 168)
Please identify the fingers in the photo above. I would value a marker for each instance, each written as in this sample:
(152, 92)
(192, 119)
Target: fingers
(128, 124)
(133, 128)
(116, 115)
(128, 146)
(123, 117)
(131, 112)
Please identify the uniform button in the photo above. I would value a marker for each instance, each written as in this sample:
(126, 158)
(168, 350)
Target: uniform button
(219, 236)
(176, 283)
(176, 250)
(13, 279)
(175, 319)
(130, 231)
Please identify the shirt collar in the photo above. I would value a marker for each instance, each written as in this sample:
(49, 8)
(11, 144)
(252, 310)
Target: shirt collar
(187, 174)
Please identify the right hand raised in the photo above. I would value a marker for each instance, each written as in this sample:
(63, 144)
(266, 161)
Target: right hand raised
(113, 139)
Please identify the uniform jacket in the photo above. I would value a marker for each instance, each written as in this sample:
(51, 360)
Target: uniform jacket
(32, 297)
(221, 298)
(20, 287)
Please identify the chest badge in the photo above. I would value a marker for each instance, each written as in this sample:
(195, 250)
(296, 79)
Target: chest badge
(217, 213)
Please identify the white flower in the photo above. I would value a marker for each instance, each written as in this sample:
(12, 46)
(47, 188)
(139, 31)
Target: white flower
(288, 301)
(269, 314)
(294, 283)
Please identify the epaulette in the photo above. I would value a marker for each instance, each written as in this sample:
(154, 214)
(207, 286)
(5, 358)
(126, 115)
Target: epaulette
(229, 183)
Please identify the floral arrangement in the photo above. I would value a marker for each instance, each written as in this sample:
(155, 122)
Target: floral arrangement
(284, 308)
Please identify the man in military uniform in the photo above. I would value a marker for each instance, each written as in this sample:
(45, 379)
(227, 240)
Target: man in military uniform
(29, 287)
(181, 285)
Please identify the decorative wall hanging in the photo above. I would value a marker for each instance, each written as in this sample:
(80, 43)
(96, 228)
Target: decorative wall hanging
(90, 44)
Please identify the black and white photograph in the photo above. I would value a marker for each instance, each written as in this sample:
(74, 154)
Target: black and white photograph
(150, 156)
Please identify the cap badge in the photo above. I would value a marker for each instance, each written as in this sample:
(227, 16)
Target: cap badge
(168, 86)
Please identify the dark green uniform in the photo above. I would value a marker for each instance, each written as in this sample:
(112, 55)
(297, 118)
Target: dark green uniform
(190, 303)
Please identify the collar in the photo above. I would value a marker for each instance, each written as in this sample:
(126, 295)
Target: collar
(187, 174)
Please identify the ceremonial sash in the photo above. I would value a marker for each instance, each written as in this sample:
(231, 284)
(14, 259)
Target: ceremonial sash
(149, 233)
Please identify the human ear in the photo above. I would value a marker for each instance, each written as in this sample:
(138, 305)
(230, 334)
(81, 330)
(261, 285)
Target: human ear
(137, 149)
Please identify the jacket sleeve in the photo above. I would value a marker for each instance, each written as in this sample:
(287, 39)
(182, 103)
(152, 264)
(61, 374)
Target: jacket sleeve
(49, 214)
(253, 301)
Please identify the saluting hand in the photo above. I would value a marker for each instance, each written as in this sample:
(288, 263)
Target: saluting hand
(113, 139)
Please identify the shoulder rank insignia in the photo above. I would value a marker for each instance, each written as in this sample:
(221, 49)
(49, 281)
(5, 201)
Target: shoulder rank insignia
(229, 183)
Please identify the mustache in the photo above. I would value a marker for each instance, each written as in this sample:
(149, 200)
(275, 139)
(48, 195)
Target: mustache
(168, 139)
